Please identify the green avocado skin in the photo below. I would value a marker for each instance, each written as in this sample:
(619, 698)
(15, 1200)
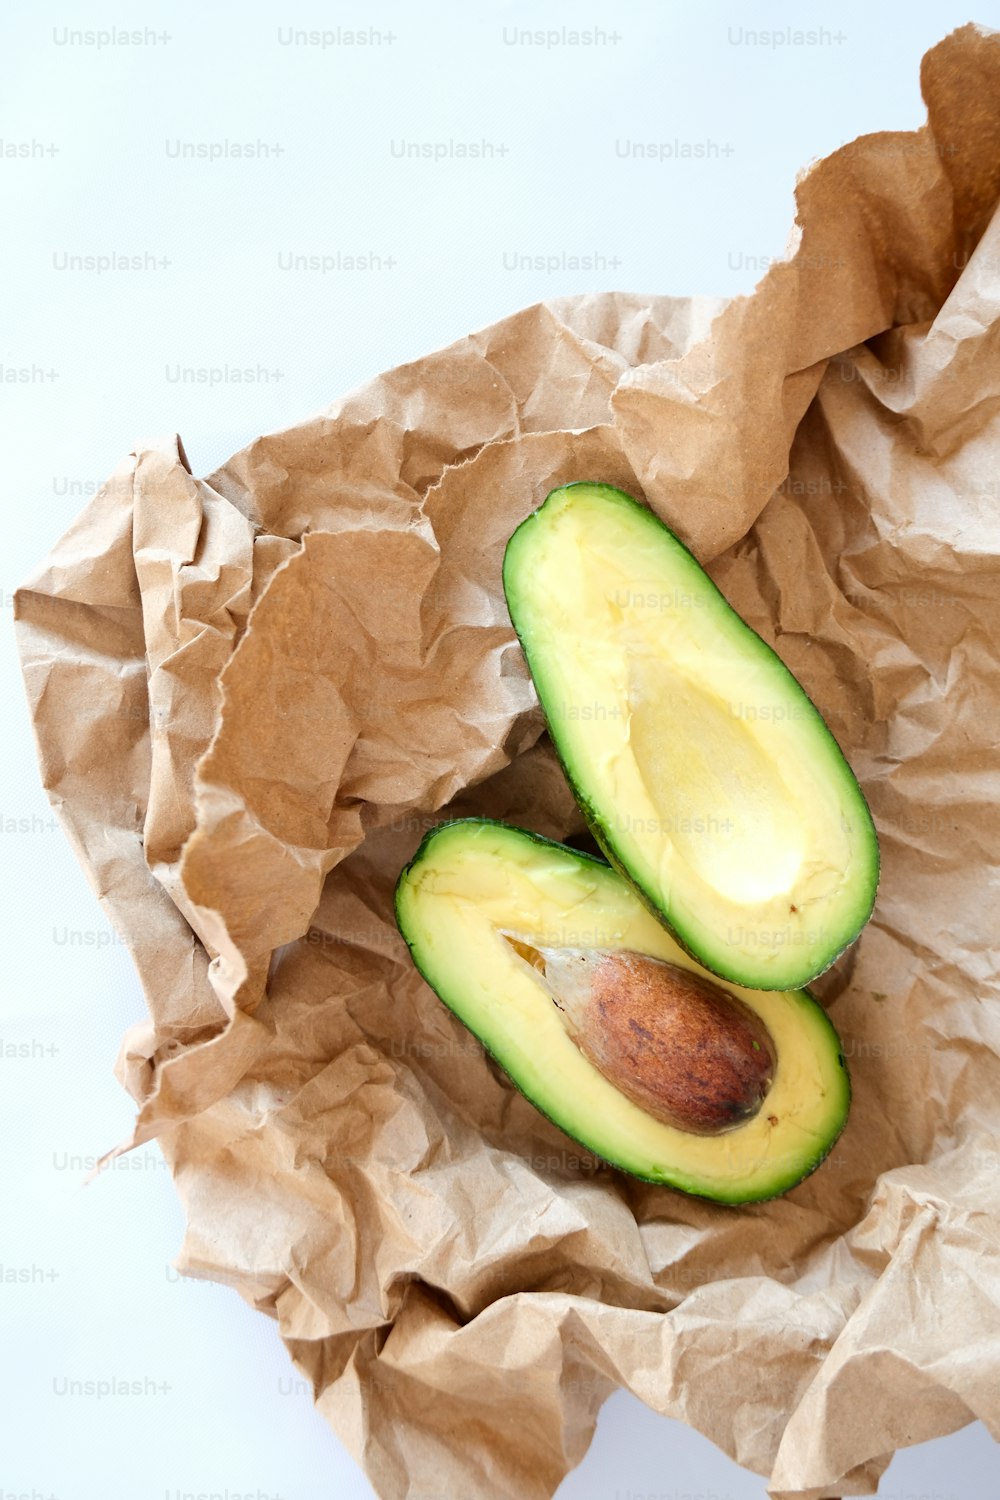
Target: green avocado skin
(589, 800)
(741, 1193)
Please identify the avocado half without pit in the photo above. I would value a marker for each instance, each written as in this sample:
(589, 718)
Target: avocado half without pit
(706, 774)
(609, 1027)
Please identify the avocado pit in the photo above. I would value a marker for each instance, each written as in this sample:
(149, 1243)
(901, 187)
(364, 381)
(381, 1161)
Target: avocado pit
(689, 1053)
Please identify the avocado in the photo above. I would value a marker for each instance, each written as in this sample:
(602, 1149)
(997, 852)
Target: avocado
(609, 1027)
(706, 774)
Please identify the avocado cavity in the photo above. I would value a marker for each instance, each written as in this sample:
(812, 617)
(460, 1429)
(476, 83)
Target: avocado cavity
(757, 845)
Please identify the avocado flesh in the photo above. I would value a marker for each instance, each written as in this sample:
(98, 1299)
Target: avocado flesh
(476, 888)
(706, 773)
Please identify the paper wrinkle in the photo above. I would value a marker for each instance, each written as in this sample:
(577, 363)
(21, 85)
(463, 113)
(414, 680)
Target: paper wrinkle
(254, 693)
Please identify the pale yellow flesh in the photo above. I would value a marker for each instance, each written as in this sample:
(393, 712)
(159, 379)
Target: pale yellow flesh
(696, 740)
(465, 894)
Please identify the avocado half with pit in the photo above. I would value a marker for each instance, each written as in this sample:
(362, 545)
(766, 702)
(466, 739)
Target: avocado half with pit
(707, 776)
(610, 1028)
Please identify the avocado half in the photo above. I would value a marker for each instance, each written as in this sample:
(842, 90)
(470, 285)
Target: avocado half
(474, 885)
(707, 775)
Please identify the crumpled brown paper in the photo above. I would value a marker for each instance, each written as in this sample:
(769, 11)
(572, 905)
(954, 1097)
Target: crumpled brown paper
(253, 693)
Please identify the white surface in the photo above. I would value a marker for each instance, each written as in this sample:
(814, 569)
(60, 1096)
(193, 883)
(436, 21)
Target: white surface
(99, 1301)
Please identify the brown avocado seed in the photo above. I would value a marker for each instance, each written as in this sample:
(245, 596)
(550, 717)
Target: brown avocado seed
(683, 1049)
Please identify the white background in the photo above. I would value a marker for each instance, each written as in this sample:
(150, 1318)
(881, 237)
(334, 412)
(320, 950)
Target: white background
(105, 175)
